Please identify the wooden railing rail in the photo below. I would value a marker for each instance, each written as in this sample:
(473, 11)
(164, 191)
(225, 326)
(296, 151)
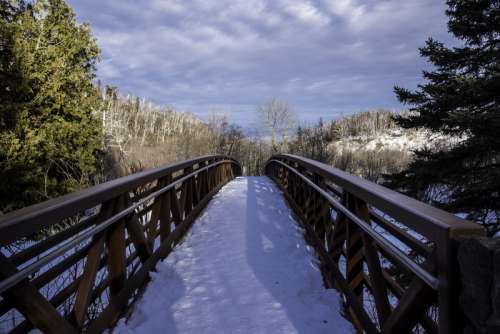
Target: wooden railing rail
(392, 257)
(77, 262)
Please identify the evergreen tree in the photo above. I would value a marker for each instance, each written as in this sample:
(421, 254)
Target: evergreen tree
(10, 76)
(460, 98)
(49, 133)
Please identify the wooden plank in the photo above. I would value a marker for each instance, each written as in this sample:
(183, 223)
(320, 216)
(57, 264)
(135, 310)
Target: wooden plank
(188, 198)
(204, 184)
(339, 234)
(412, 305)
(182, 198)
(166, 218)
(377, 281)
(195, 186)
(155, 215)
(427, 323)
(31, 304)
(116, 256)
(323, 220)
(176, 208)
(355, 256)
(86, 284)
(136, 234)
(416, 245)
(91, 268)
(379, 288)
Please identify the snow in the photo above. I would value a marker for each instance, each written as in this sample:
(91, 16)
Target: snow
(395, 140)
(243, 268)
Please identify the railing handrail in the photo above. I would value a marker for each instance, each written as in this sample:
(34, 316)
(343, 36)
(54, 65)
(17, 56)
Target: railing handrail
(363, 226)
(28, 220)
(426, 276)
(39, 263)
(401, 207)
(135, 221)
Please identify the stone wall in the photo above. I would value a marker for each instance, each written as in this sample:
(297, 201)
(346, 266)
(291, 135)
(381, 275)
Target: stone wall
(479, 260)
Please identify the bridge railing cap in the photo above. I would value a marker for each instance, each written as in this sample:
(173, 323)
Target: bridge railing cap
(18, 223)
(405, 209)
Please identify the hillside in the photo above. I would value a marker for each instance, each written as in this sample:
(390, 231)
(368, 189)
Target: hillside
(139, 134)
(371, 144)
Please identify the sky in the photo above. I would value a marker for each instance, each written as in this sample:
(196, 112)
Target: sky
(326, 58)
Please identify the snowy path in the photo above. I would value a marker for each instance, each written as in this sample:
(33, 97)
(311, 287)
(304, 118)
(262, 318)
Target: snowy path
(243, 268)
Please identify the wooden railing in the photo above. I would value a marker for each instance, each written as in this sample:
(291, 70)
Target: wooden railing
(391, 257)
(76, 263)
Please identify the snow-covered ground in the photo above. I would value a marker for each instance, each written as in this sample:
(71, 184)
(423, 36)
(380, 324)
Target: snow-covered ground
(243, 268)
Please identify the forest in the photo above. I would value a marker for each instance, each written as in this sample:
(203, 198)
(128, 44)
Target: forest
(61, 130)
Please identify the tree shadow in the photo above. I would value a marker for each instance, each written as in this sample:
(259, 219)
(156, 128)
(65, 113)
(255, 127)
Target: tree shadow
(153, 314)
(268, 246)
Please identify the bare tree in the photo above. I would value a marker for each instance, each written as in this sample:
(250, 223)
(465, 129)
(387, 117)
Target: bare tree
(277, 116)
(312, 142)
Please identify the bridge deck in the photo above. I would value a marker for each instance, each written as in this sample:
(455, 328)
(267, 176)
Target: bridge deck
(243, 268)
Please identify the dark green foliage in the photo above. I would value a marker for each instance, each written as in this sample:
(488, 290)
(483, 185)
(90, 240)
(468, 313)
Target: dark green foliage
(460, 98)
(10, 72)
(49, 131)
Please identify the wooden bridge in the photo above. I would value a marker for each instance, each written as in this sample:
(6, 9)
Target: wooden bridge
(79, 262)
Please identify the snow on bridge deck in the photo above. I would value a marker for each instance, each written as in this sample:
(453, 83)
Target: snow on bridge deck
(243, 268)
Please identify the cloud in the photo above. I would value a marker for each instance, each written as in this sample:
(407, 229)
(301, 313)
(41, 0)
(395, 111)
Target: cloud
(170, 7)
(348, 9)
(307, 13)
(325, 57)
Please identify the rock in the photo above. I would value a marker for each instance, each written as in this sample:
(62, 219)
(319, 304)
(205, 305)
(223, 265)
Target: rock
(479, 260)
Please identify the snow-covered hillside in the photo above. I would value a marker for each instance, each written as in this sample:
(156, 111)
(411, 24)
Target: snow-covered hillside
(392, 140)
(372, 144)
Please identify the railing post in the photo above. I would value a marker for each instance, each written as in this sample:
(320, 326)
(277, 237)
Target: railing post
(210, 179)
(156, 214)
(204, 183)
(116, 253)
(322, 209)
(377, 281)
(354, 258)
(166, 217)
(451, 318)
(323, 226)
(85, 286)
(195, 186)
(136, 234)
(187, 192)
